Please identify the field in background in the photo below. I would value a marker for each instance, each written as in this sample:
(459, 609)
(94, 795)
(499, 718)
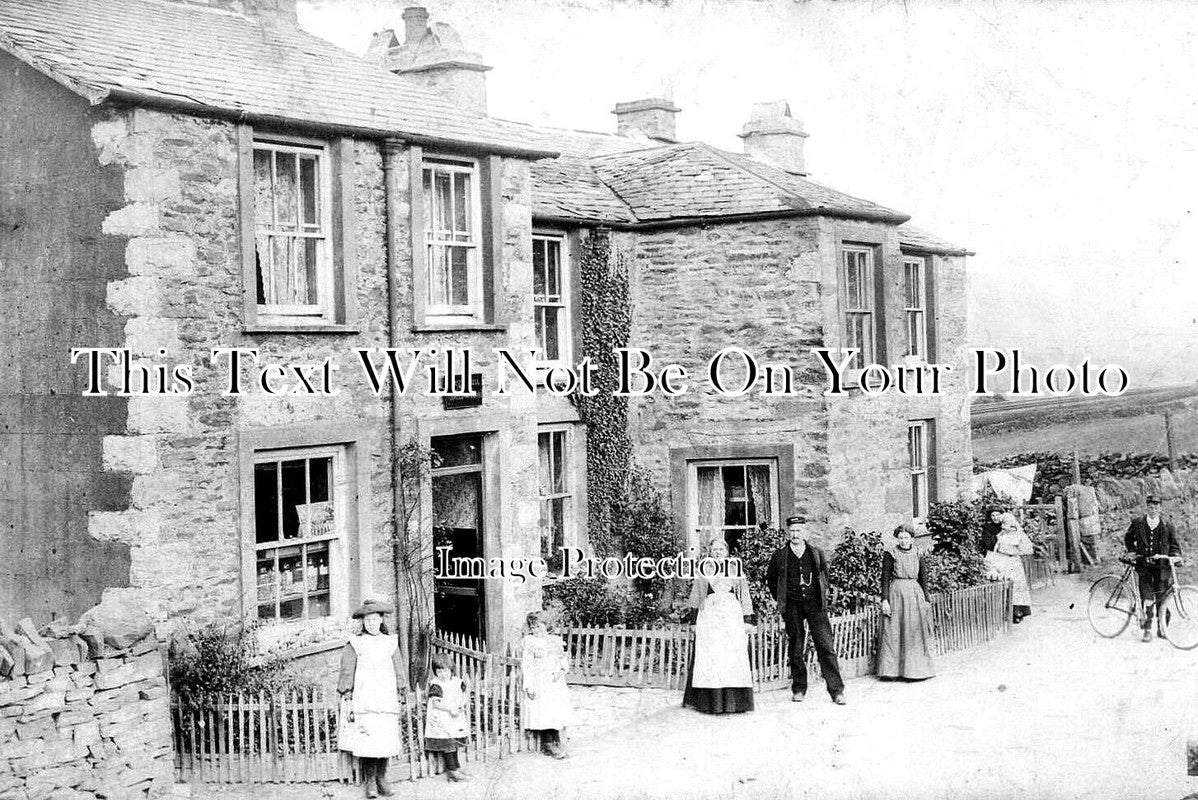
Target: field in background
(1132, 423)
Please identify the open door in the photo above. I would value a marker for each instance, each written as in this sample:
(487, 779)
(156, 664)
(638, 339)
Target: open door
(457, 483)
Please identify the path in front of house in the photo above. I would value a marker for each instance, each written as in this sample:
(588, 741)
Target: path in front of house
(1050, 711)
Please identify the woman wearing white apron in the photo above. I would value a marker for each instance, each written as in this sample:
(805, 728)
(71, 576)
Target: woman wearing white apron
(719, 680)
(371, 674)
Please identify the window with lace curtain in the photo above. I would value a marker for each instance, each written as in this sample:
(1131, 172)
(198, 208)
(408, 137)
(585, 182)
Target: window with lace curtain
(292, 216)
(729, 498)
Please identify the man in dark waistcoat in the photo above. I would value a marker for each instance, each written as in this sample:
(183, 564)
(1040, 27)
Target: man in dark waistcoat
(798, 579)
(1147, 537)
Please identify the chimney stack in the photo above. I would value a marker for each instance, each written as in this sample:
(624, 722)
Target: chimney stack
(773, 136)
(653, 117)
(434, 56)
(415, 22)
(272, 12)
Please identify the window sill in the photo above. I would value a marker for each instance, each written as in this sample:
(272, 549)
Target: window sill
(300, 327)
(315, 649)
(450, 327)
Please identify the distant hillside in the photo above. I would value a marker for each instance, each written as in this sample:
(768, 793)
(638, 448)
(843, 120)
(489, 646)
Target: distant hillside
(1128, 424)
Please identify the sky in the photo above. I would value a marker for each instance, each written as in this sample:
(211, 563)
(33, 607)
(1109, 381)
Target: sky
(1056, 140)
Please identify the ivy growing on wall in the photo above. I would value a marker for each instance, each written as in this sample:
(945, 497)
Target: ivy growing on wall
(605, 321)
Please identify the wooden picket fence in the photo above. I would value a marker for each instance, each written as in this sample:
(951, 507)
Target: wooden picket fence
(658, 657)
(291, 736)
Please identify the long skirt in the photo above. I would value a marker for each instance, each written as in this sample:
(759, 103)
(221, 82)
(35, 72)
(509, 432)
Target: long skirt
(728, 700)
(905, 646)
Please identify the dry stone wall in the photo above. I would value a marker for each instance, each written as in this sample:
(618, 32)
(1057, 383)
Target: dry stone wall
(84, 709)
(1122, 500)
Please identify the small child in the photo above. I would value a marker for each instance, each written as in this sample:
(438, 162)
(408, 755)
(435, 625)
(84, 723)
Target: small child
(547, 699)
(446, 723)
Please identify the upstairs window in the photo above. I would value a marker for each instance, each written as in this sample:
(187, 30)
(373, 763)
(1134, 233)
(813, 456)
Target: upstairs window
(292, 231)
(453, 238)
(860, 323)
(916, 307)
(549, 298)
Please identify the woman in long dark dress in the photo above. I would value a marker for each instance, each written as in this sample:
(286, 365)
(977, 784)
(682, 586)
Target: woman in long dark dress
(718, 678)
(905, 646)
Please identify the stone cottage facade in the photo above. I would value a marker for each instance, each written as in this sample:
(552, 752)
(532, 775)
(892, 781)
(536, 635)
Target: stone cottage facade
(182, 176)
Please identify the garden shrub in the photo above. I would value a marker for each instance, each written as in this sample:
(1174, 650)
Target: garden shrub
(600, 602)
(956, 525)
(855, 569)
(948, 572)
(224, 658)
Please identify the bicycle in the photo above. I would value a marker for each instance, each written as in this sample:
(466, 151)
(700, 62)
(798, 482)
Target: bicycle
(1115, 600)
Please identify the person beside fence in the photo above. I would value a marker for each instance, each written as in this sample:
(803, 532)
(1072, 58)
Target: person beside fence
(546, 696)
(1006, 563)
(369, 683)
(798, 580)
(718, 679)
(905, 642)
(446, 721)
(1147, 537)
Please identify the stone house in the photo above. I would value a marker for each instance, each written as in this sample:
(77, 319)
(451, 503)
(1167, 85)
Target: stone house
(743, 250)
(182, 175)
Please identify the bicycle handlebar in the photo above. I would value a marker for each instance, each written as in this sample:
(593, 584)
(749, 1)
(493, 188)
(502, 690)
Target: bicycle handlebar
(1133, 560)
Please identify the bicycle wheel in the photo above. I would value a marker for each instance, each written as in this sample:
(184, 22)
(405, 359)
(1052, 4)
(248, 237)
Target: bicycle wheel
(1110, 607)
(1179, 615)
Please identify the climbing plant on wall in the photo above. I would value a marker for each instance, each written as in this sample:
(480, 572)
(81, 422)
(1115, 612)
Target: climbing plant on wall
(605, 323)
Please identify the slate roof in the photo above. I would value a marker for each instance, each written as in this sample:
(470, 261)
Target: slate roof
(627, 179)
(918, 239)
(207, 59)
(567, 187)
(681, 181)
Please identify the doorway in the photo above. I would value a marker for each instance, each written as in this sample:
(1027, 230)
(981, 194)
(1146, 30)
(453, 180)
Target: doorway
(457, 486)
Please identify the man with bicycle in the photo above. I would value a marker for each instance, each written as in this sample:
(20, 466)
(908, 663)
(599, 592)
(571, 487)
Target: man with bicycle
(1147, 538)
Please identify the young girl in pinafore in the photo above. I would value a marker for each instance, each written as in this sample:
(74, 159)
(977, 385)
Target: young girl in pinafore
(546, 697)
(447, 722)
(371, 675)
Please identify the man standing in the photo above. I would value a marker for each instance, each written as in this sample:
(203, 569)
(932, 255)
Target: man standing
(798, 579)
(1149, 536)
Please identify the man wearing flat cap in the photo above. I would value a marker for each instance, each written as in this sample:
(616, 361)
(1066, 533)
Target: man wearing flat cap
(1147, 537)
(798, 579)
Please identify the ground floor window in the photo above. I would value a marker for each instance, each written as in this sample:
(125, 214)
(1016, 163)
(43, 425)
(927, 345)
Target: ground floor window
(557, 492)
(730, 497)
(921, 459)
(299, 518)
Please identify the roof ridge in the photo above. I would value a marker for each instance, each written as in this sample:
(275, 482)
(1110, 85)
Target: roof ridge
(723, 156)
(615, 192)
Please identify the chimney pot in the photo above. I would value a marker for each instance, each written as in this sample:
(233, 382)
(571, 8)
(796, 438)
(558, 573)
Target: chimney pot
(653, 117)
(772, 135)
(415, 20)
(435, 57)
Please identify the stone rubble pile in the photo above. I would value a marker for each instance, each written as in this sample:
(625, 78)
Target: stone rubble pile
(84, 709)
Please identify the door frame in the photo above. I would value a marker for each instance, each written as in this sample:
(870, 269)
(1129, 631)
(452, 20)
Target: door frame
(494, 501)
